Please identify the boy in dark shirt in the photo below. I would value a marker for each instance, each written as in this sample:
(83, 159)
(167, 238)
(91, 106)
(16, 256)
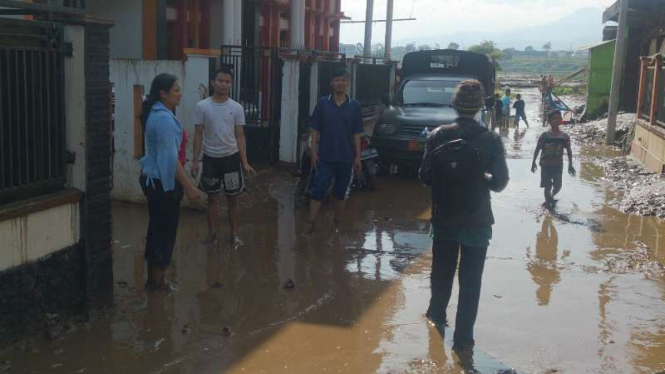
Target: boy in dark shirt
(520, 111)
(498, 109)
(552, 143)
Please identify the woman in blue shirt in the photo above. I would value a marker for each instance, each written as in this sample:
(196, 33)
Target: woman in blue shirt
(163, 177)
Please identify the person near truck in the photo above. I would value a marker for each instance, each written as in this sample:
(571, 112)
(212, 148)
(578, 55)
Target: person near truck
(498, 109)
(463, 162)
(506, 100)
(552, 144)
(337, 124)
(520, 111)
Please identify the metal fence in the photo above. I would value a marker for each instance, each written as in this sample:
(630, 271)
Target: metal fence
(32, 109)
(650, 100)
(257, 86)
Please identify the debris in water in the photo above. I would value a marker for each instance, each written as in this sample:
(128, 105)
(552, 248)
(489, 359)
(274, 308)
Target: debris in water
(289, 284)
(226, 331)
(186, 329)
(498, 296)
(122, 284)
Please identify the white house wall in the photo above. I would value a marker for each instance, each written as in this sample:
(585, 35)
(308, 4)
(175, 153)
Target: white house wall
(34, 236)
(125, 74)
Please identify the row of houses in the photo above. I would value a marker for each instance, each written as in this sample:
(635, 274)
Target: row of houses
(72, 77)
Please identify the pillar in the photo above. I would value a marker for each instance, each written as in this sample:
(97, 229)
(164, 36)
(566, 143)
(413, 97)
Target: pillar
(297, 24)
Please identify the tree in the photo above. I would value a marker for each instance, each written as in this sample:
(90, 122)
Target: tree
(547, 46)
(453, 45)
(378, 50)
(487, 47)
(424, 47)
(411, 47)
(529, 49)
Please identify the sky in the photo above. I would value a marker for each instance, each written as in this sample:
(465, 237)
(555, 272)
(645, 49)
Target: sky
(444, 17)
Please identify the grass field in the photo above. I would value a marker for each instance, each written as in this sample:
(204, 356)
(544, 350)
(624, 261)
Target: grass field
(558, 67)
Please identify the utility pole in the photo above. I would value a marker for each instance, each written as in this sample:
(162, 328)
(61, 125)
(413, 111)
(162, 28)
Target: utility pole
(369, 16)
(389, 31)
(617, 72)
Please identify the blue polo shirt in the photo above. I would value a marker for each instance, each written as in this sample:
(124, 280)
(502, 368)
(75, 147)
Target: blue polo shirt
(337, 124)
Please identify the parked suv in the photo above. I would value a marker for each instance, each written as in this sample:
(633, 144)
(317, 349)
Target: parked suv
(424, 101)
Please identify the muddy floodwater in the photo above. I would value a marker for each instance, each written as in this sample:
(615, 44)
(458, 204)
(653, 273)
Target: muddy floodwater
(581, 290)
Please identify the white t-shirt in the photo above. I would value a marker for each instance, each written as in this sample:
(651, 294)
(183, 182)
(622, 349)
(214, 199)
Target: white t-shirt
(219, 121)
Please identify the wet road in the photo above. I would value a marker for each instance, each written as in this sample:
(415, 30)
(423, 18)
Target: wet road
(579, 291)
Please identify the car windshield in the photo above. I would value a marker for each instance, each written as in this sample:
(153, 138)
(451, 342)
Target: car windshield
(429, 92)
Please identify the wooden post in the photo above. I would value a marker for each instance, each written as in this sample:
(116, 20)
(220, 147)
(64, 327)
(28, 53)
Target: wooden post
(658, 70)
(204, 27)
(644, 61)
(617, 72)
(182, 28)
(149, 29)
(138, 126)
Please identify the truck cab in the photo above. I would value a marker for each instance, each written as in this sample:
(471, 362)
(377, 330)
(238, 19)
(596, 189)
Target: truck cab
(424, 101)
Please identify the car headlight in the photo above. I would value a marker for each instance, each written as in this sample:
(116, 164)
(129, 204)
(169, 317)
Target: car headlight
(386, 129)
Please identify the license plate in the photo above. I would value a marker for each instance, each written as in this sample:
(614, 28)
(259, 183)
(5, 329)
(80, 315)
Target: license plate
(415, 145)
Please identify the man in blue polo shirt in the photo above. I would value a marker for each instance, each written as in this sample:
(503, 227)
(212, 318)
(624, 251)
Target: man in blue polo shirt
(337, 123)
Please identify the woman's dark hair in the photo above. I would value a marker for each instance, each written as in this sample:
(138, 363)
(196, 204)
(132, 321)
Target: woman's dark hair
(162, 82)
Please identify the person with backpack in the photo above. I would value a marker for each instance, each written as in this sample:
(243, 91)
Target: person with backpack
(463, 162)
(337, 124)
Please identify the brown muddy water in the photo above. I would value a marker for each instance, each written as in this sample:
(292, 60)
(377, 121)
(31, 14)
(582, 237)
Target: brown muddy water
(578, 291)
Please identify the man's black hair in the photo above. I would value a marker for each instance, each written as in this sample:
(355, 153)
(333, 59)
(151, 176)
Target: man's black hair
(519, 96)
(223, 70)
(340, 72)
(553, 112)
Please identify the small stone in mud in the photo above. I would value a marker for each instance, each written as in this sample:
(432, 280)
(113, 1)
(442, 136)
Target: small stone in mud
(186, 329)
(226, 331)
(5, 367)
(289, 284)
(55, 332)
(217, 285)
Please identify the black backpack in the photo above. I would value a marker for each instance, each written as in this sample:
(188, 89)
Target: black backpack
(458, 176)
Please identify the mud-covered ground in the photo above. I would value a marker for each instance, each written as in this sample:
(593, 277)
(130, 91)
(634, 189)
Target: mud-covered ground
(639, 191)
(577, 290)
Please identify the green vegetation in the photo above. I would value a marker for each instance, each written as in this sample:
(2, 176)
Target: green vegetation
(558, 66)
(487, 47)
(564, 90)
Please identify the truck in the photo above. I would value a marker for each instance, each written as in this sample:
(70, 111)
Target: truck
(424, 101)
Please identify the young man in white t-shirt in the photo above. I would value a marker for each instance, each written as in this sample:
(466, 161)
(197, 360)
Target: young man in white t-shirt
(219, 122)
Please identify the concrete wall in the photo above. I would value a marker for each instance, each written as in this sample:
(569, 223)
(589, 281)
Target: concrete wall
(127, 34)
(193, 79)
(649, 146)
(34, 236)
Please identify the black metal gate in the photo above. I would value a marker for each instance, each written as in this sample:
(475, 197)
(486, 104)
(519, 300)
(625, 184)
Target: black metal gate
(257, 86)
(32, 108)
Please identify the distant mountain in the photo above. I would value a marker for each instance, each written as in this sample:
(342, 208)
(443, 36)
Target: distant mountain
(581, 28)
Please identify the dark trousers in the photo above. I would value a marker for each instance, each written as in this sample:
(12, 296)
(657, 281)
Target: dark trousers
(164, 211)
(444, 264)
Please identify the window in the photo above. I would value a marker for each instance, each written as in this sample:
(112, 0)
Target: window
(433, 92)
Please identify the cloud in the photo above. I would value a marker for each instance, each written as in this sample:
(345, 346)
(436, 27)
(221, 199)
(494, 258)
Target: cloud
(444, 17)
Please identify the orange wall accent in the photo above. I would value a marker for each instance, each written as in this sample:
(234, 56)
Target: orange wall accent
(149, 29)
